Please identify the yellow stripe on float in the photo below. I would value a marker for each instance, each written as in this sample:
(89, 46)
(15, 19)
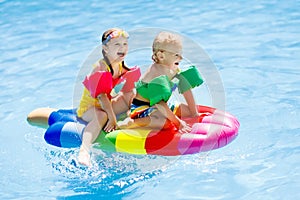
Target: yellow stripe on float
(132, 141)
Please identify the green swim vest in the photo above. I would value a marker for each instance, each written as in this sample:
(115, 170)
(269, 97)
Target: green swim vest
(160, 88)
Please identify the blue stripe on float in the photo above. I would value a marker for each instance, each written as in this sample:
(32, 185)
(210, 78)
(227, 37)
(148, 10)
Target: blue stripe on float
(52, 134)
(62, 115)
(71, 134)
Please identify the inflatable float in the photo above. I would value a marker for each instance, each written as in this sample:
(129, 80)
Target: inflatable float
(213, 129)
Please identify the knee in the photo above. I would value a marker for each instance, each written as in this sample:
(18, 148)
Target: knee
(101, 115)
(128, 96)
(157, 116)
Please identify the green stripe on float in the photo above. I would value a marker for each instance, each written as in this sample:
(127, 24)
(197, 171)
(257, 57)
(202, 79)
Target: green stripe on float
(106, 141)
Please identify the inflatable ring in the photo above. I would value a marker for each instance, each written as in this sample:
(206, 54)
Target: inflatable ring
(213, 129)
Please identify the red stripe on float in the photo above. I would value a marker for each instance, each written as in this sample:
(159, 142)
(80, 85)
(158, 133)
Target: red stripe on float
(163, 142)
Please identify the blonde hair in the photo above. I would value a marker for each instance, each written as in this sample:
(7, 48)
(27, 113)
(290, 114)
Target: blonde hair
(163, 41)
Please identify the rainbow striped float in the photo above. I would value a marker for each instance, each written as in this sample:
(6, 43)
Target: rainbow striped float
(213, 129)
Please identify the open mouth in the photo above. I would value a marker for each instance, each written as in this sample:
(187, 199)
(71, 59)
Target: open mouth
(121, 54)
(177, 63)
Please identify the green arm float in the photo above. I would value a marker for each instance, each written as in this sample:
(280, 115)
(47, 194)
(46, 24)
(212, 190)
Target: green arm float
(189, 79)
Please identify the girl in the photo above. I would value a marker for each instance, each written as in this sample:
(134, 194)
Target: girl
(98, 106)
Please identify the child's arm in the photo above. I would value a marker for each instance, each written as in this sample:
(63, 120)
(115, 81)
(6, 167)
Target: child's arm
(165, 110)
(107, 107)
(189, 98)
(189, 79)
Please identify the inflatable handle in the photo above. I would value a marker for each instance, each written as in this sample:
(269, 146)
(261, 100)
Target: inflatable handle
(131, 77)
(98, 83)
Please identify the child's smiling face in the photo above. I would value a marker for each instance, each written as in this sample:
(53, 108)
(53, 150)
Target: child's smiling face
(116, 49)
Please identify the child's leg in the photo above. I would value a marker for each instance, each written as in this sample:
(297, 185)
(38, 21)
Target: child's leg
(183, 111)
(134, 123)
(121, 103)
(155, 120)
(96, 119)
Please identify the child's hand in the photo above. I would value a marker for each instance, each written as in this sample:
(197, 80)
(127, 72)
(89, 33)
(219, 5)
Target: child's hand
(111, 125)
(184, 127)
(196, 114)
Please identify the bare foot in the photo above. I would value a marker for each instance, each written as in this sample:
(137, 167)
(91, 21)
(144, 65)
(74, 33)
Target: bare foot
(126, 123)
(84, 157)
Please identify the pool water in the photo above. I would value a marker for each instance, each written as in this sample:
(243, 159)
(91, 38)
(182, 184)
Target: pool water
(255, 48)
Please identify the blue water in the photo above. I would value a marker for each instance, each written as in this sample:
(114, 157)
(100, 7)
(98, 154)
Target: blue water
(255, 48)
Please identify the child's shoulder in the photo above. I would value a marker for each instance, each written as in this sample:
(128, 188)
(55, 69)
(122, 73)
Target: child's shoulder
(99, 66)
(150, 75)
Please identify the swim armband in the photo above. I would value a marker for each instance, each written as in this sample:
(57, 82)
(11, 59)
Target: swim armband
(131, 77)
(188, 79)
(98, 83)
(159, 89)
